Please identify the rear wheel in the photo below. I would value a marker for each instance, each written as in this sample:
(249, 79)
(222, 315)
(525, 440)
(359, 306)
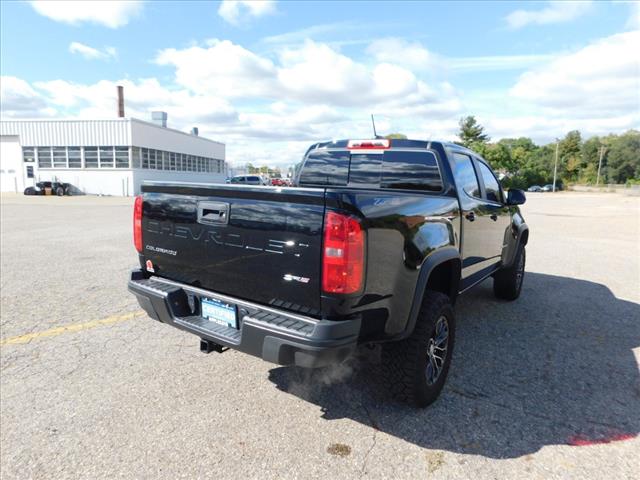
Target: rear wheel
(507, 282)
(416, 368)
(60, 191)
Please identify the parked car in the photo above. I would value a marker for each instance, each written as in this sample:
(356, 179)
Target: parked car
(547, 188)
(278, 182)
(534, 188)
(373, 249)
(50, 188)
(248, 180)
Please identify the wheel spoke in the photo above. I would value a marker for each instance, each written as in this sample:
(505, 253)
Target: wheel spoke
(440, 352)
(430, 372)
(437, 349)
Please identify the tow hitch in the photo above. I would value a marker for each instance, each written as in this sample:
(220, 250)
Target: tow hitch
(207, 346)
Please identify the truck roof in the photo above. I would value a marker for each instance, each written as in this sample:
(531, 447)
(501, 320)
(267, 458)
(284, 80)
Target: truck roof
(395, 143)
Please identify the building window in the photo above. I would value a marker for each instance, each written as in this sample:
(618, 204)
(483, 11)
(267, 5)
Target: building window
(148, 158)
(28, 154)
(106, 157)
(59, 157)
(91, 157)
(44, 157)
(145, 158)
(135, 157)
(30, 171)
(75, 157)
(122, 157)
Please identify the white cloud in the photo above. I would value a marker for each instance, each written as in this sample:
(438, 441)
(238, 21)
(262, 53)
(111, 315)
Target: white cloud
(415, 57)
(312, 73)
(634, 18)
(496, 62)
(402, 52)
(544, 129)
(99, 101)
(233, 11)
(600, 80)
(220, 68)
(19, 100)
(91, 53)
(110, 13)
(300, 36)
(554, 12)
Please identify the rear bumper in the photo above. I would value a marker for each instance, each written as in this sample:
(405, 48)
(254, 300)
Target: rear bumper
(274, 335)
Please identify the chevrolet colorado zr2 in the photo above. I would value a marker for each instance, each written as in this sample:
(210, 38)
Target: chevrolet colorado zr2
(373, 244)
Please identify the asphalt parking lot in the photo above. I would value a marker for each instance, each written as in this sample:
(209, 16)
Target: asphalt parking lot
(544, 387)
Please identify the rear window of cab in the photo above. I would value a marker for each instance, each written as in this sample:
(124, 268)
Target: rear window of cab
(397, 169)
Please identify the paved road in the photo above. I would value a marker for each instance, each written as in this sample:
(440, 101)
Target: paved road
(545, 387)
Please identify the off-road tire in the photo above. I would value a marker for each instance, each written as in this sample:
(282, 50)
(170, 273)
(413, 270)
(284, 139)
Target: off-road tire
(405, 363)
(507, 282)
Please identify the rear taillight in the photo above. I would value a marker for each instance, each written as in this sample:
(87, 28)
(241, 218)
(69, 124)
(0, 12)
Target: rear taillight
(343, 254)
(137, 223)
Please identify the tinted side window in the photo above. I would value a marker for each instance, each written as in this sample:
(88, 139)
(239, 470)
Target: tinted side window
(465, 175)
(325, 168)
(412, 170)
(490, 184)
(365, 169)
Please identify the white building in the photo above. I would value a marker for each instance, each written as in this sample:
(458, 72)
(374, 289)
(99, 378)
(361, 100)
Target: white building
(108, 157)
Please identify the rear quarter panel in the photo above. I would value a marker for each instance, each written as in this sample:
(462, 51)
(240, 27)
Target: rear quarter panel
(403, 229)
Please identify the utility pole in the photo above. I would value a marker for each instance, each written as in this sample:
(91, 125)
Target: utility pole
(555, 168)
(602, 149)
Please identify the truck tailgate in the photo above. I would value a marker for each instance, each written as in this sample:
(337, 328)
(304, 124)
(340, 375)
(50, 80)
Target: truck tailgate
(261, 244)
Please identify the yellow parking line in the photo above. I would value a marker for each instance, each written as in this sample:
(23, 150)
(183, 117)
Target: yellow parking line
(74, 327)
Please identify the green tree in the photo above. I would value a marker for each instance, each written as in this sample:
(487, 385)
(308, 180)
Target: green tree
(591, 150)
(471, 132)
(499, 157)
(623, 157)
(570, 156)
(400, 136)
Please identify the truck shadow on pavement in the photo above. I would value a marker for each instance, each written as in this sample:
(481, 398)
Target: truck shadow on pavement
(554, 367)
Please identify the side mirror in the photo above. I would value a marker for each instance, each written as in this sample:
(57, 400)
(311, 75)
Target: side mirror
(515, 197)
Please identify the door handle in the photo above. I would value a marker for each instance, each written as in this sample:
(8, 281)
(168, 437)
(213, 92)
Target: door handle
(470, 216)
(494, 217)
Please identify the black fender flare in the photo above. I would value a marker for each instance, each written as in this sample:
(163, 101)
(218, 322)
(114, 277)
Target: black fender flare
(435, 259)
(521, 236)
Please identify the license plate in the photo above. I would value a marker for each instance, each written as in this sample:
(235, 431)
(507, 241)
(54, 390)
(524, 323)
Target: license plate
(219, 312)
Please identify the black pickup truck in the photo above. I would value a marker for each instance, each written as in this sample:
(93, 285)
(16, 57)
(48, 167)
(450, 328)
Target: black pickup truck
(372, 245)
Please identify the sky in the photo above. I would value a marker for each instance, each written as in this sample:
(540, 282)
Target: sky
(269, 78)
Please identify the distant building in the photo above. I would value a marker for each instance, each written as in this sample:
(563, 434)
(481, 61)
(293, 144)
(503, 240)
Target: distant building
(108, 157)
